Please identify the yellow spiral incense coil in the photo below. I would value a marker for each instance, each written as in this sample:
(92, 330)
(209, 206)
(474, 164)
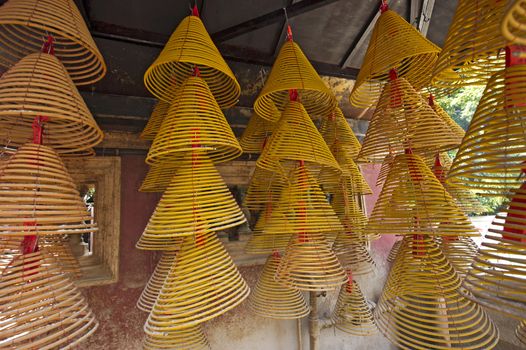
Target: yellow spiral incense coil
(265, 186)
(194, 120)
(387, 163)
(412, 200)
(191, 338)
(493, 152)
(335, 128)
(158, 177)
(455, 128)
(497, 278)
(202, 284)
(155, 283)
(293, 71)
(197, 198)
(39, 85)
(350, 175)
(156, 119)
(41, 307)
(460, 252)
(188, 47)
(394, 44)
(353, 254)
(25, 25)
(272, 300)
(393, 253)
(310, 264)
(352, 314)
(513, 25)
(272, 232)
(296, 138)
(306, 206)
(471, 52)
(156, 243)
(256, 134)
(421, 307)
(59, 247)
(38, 196)
(403, 119)
(520, 331)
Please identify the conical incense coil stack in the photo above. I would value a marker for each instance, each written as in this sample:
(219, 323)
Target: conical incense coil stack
(335, 128)
(273, 300)
(421, 307)
(403, 119)
(41, 307)
(256, 133)
(59, 247)
(445, 162)
(345, 206)
(156, 281)
(191, 338)
(394, 44)
(272, 232)
(202, 284)
(393, 253)
(194, 120)
(493, 152)
(471, 52)
(520, 331)
(158, 177)
(296, 139)
(189, 46)
(352, 314)
(306, 206)
(353, 254)
(293, 71)
(310, 264)
(384, 169)
(497, 278)
(459, 251)
(156, 119)
(24, 25)
(38, 196)
(350, 175)
(162, 244)
(455, 128)
(265, 186)
(413, 201)
(39, 86)
(513, 26)
(196, 198)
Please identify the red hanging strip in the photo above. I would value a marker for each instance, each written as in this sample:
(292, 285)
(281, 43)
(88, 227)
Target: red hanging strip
(418, 244)
(302, 210)
(515, 218)
(289, 33)
(196, 72)
(293, 95)
(395, 94)
(38, 128)
(515, 55)
(29, 245)
(348, 287)
(384, 7)
(48, 46)
(276, 255)
(195, 11)
(431, 100)
(438, 169)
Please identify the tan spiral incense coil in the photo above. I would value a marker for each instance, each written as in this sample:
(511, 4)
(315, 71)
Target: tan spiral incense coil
(513, 25)
(189, 46)
(393, 253)
(197, 198)
(265, 186)
(202, 284)
(155, 283)
(256, 134)
(353, 254)
(352, 314)
(492, 154)
(497, 278)
(41, 307)
(335, 128)
(194, 120)
(471, 52)
(39, 86)
(421, 307)
(38, 196)
(272, 232)
(412, 200)
(296, 139)
(403, 119)
(158, 177)
(460, 251)
(156, 119)
(191, 338)
(520, 331)
(387, 163)
(394, 44)
(293, 71)
(59, 247)
(273, 300)
(25, 25)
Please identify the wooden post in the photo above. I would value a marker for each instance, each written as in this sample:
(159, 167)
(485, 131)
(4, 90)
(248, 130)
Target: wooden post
(314, 327)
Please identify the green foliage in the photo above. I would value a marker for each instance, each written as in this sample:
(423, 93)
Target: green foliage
(462, 104)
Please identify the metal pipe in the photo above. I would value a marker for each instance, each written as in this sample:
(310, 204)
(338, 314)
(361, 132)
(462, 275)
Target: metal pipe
(300, 338)
(314, 327)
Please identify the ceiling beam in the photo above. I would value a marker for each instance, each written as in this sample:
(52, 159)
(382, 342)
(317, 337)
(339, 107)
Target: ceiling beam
(278, 42)
(425, 17)
(413, 13)
(269, 18)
